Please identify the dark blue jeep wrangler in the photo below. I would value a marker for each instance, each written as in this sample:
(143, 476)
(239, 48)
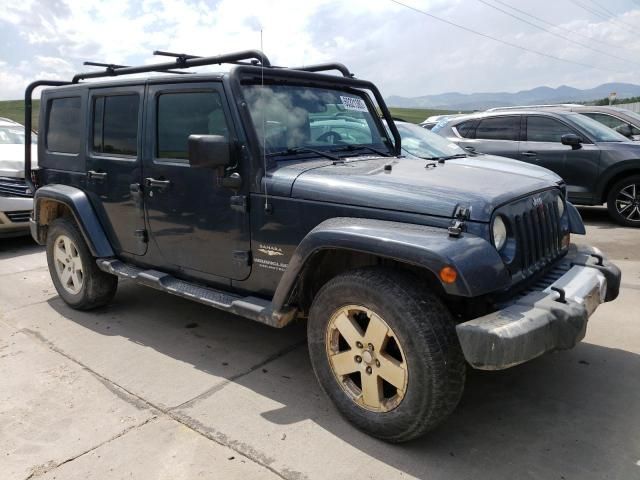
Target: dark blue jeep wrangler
(277, 194)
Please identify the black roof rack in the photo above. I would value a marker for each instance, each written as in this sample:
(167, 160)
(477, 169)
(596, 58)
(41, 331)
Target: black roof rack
(184, 60)
(181, 61)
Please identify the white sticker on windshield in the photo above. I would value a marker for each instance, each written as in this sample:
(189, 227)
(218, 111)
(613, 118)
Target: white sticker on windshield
(354, 103)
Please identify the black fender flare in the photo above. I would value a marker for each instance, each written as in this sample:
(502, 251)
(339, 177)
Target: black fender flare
(479, 266)
(78, 203)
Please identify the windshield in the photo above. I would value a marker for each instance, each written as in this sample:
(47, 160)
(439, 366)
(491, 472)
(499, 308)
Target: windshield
(290, 117)
(423, 143)
(597, 131)
(14, 135)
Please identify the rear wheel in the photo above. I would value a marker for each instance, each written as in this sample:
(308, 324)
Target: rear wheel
(77, 278)
(384, 349)
(623, 201)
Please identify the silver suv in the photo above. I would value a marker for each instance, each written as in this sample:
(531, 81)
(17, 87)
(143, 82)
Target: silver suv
(16, 200)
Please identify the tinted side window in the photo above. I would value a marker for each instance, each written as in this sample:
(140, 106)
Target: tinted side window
(183, 114)
(115, 124)
(545, 129)
(499, 128)
(63, 125)
(465, 129)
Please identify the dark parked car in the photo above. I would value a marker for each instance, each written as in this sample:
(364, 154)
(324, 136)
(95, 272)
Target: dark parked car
(598, 164)
(621, 120)
(277, 194)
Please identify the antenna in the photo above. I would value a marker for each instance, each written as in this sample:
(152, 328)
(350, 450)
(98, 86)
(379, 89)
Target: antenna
(267, 207)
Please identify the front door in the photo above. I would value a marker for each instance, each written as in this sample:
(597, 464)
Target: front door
(543, 146)
(189, 213)
(114, 165)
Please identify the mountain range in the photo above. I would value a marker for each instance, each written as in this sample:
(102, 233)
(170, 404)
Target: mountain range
(539, 95)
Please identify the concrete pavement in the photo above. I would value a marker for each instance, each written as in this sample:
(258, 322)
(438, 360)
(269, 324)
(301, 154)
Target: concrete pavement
(154, 386)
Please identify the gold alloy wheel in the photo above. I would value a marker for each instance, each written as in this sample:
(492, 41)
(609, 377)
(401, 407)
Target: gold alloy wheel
(68, 264)
(366, 358)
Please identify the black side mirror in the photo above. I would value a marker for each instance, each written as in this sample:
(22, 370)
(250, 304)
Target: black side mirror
(209, 151)
(571, 139)
(625, 130)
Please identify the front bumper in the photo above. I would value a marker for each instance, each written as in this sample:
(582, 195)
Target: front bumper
(552, 317)
(14, 216)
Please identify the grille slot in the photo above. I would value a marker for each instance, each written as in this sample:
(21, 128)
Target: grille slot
(19, 216)
(538, 235)
(14, 187)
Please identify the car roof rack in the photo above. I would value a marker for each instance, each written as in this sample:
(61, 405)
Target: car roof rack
(184, 61)
(519, 107)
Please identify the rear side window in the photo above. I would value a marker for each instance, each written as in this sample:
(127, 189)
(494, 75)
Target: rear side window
(187, 113)
(115, 124)
(545, 129)
(465, 129)
(63, 125)
(499, 128)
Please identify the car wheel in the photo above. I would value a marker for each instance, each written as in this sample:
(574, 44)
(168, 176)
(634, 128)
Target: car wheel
(384, 349)
(77, 278)
(623, 201)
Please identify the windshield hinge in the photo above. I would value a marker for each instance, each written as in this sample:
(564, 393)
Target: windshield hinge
(239, 203)
(457, 225)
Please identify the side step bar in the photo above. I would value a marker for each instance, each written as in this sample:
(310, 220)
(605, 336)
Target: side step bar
(252, 308)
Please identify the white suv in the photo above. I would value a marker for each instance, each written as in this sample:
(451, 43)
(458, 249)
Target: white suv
(16, 200)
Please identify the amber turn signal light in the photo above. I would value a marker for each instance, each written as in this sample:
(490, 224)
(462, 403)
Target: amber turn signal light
(448, 274)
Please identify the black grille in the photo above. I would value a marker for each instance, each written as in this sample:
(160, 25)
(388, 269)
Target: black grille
(19, 216)
(14, 187)
(538, 235)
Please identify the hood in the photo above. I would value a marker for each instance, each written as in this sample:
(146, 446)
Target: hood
(481, 183)
(12, 160)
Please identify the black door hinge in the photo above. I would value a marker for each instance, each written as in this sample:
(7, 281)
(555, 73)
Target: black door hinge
(239, 203)
(242, 257)
(457, 225)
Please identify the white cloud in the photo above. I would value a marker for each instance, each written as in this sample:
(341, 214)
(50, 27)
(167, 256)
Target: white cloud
(404, 52)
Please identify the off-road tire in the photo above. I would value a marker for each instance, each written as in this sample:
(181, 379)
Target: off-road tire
(97, 287)
(425, 331)
(615, 193)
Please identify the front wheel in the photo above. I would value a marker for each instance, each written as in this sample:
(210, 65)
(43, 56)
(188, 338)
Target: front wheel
(623, 201)
(384, 349)
(77, 278)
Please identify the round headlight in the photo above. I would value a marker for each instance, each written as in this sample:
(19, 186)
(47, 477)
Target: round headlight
(499, 233)
(560, 205)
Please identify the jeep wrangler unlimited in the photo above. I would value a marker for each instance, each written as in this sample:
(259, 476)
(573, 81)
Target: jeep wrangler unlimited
(276, 193)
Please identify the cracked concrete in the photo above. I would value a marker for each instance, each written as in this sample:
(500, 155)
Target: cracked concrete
(158, 387)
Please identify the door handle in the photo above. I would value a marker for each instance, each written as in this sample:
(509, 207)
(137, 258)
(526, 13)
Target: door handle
(157, 183)
(93, 175)
(529, 154)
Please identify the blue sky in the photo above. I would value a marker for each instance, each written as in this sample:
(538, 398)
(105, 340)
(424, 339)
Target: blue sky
(402, 51)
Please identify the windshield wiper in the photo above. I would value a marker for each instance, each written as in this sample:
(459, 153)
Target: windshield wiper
(351, 148)
(293, 151)
(448, 157)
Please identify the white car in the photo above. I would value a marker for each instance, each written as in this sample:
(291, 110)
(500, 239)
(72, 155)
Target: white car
(16, 200)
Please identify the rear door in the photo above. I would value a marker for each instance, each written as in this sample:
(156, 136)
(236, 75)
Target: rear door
(114, 165)
(495, 135)
(189, 212)
(542, 146)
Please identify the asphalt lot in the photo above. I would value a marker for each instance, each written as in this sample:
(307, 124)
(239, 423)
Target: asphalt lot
(154, 386)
